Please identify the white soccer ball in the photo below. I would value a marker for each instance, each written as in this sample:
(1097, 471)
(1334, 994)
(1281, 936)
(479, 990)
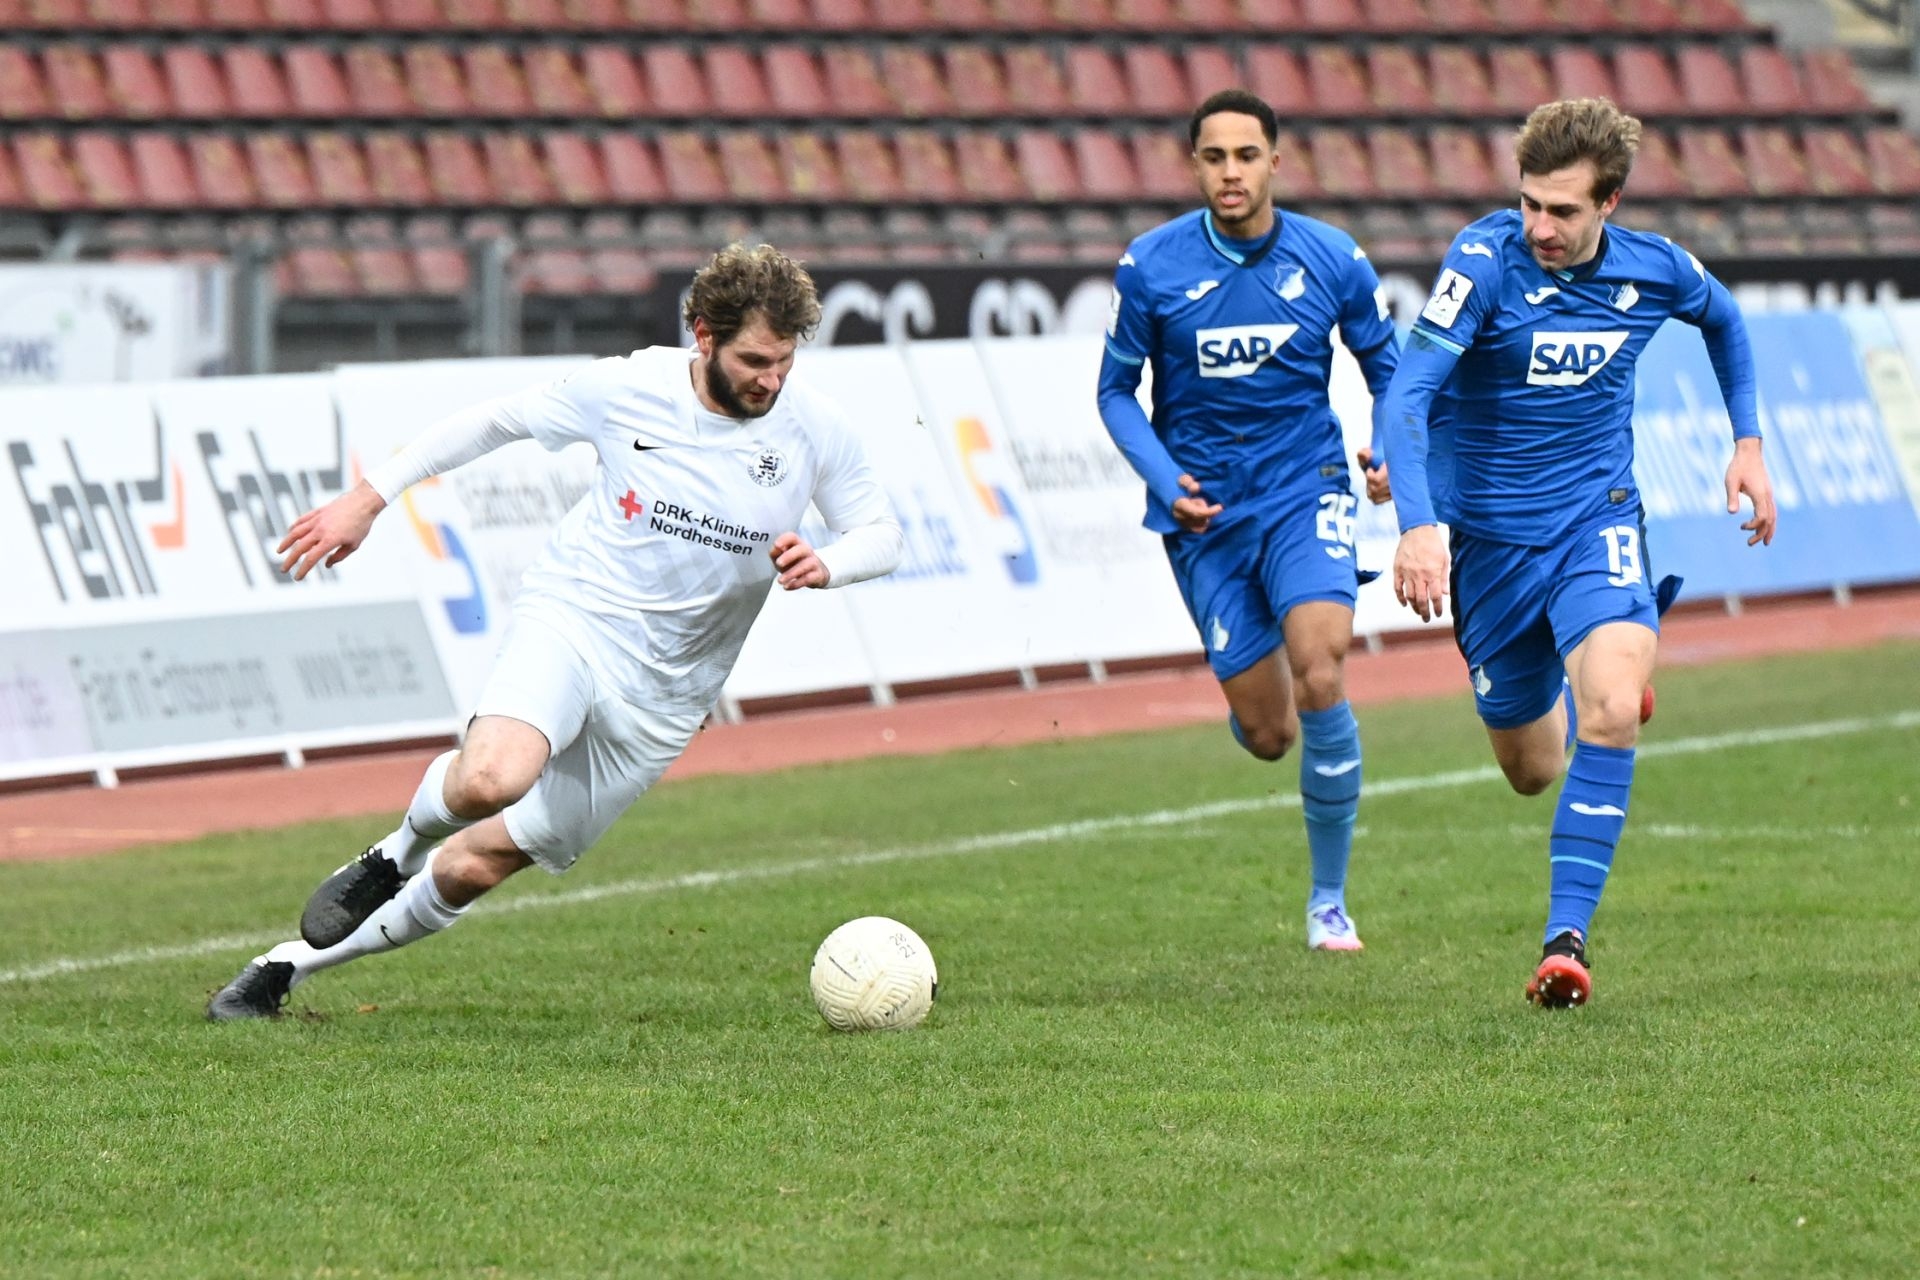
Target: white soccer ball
(873, 974)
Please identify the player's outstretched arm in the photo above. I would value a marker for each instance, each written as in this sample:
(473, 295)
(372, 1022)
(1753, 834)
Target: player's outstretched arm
(1725, 332)
(329, 534)
(1747, 474)
(1420, 562)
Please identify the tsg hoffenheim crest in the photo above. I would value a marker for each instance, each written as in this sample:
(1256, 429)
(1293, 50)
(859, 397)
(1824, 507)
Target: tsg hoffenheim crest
(769, 467)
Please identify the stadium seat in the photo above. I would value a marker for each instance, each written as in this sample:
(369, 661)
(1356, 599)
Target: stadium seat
(914, 81)
(220, 172)
(734, 82)
(514, 167)
(237, 15)
(1836, 164)
(613, 82)
(634, 175)
(395, 170)
(194, 82)
(495, 84)
(1649, 17)
(1154, 83)
(794, 82)
(693, 175)
(554, 84)
(435, 81)
(1832, 83)
(1397, 81)
(1105, 168)
(807, 167)
(1894, 228)
(1459, 81)
(379, 264)
(315, 84)
(1656, 171)
(1774, 164)
(574, 168)
(674, 82)
(73, 80)
(1770, 81)
(1209, 68)
(1394, 17)
(1529, 17)
(1046, 166)
(1459, 163)
(1340, 164)
(424, 15)
(1026, 15)
(1095, 84)
(976, 80)
(1034, 83)
(312, 271)
(1519, 78)
(101, 163)
(161, 172)
(255, 82)
(1399, 164)
(1033, 236)
(1275, 74)
(927, 170)
(854, 85)
(23, 90)
(339, 170)
(881, 15)
(134, 83)
(1148, 16)
(375, 82)
(869, 167)
(778, 15)
(1295, 180)
(1163, 165)
(46, 174)
(299, 15)
(1646, 82)
(1587, 16)
(1723, 17)
(911, 236)
(1893, 157)
(1708, 82)
(1337, 85)
(1708, 163)
(617, 263)
(1332, 15)
(986, 166)
(1768, 229)
(1462, 17)
(280, 171)
(1579, 72)
(748, 166)
(455, 170)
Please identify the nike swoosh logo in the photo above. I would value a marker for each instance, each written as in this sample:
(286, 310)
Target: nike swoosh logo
(642, 446)
(388, 936)
(1539, 296)
(1472, 250)
(1202, 289)
(1598, 810)
(1335, 770)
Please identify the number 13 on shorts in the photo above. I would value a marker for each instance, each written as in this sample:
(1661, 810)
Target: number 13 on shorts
(1623, 554)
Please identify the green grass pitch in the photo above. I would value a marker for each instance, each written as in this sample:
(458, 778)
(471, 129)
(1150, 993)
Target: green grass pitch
(1134, 1068)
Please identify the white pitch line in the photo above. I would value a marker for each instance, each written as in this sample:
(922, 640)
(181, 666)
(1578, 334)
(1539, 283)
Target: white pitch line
(985, 843)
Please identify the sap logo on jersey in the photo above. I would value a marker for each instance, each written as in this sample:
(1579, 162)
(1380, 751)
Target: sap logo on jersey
(1569, 359)
(1238, 351)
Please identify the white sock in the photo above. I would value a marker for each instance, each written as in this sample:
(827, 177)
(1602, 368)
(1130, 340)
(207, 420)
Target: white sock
(428, 820)
(413, 913)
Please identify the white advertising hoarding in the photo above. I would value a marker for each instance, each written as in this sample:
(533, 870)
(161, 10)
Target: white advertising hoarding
(65, 323)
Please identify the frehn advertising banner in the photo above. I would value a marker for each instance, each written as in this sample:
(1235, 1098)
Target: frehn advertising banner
(1845, 514)
(111, 322)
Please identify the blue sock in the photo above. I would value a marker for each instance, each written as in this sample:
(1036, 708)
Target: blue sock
(1573, 715)
(1587, 822)
(1329, 796)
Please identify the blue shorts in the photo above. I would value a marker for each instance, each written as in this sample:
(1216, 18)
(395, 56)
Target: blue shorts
(1240, 580)
(1518, 611)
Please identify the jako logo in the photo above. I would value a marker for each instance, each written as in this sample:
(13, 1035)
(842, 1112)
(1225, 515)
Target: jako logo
(1569, 359)
(466, 613)
(1239, 351)
(1011, 537)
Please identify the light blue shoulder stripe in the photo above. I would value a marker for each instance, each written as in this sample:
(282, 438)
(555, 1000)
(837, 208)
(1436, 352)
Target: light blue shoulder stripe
(1123, 357)
(1439, 341)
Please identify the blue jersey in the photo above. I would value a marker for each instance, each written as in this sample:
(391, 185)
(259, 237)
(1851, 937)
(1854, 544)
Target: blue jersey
(1532, 434)
(1240, 338)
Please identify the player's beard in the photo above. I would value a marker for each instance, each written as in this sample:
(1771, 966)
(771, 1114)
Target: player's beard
(731, 403)
(1234, 222)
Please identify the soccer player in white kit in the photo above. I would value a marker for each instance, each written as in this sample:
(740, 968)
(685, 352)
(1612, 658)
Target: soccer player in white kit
(627, 626)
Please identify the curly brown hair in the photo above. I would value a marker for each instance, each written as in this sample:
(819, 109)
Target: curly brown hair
(740, 282)
(1564, 133)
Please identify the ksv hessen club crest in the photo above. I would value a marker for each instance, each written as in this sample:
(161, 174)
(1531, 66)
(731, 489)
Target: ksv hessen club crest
(768, 468)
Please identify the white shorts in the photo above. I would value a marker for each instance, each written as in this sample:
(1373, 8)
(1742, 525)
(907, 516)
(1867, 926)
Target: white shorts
(605, 750)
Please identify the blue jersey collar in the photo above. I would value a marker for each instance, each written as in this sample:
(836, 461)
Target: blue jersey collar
(1586, 269)
(1241, 257)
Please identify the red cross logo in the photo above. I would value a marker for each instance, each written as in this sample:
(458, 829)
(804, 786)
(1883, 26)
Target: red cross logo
(632, 505)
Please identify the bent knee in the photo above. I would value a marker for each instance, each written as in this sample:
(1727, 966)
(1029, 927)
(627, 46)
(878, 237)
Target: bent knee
(1268, 742)
(1531, 777)
(484, 789)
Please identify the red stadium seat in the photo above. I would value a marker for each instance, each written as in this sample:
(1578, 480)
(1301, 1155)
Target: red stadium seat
(1520, 80)
(517, 172)
(870, 168)
(455, 170)
(1213, 17)
(258, 88)
(1836, 164)
(495, 84)
(1106, 170)
(101, 163)
(194, 82)
(1275, 74)
(675, 82)
(614, 82)
(620, 266)
(339, 170)
(693, 175)
(1460, 164)
(1046, 166)
(46, 174)
(1645, 77)
(777, 15)
(1035, 86)
(1771, 81)
(1714, 15)
(1465, 17)
(298, 15)
(1332, 15)
(1395, 17)
(734, 81)
(1579, 72)
(314, 271)
(1774, 162)
(1095, 85)
(315, 83)
(1709, 164)
(379, 264)
(1271, 15)
(433, 77)
(1163, 165)
(280, 171)
(427, 15)
(1296, 180)
(634, 175)
(1336, 83)
(1397, 81)
(794, 82)
(1708, 82)
(1399, 164)
(1532, 17)
(1459, 80)
(1649, 17)
(927, 170)
(1210, 68)
(237, 15)
(1024, 15)
(375, 82)
(535, 15)
(574, 168)
(395, 171)
(977, 81)
(716, 15)
(650, 15)
(161, 171)
(134, 82)
(1656, 170)
(1587, 16)
(1145, 15)
(1893, 156)
(1154, 83)
(554, 85)
(987, 169)
(1832, 82)
(23, 91)
(854, 83)
(73, 78)
(919, 90)
(13, 192)
(751, 172)
(220, 172)
(883, 15)
(807, 167)
(1340, 163)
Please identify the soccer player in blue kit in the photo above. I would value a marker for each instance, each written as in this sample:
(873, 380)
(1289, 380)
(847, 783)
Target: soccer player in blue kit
(1235, 306)
(1511, 420)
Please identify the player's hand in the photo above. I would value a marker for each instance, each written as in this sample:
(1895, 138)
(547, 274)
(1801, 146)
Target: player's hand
(1420, 565)
(1748, 474)
(1193, 512)
(798, 563)
(331, 533)
(1378, 491)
